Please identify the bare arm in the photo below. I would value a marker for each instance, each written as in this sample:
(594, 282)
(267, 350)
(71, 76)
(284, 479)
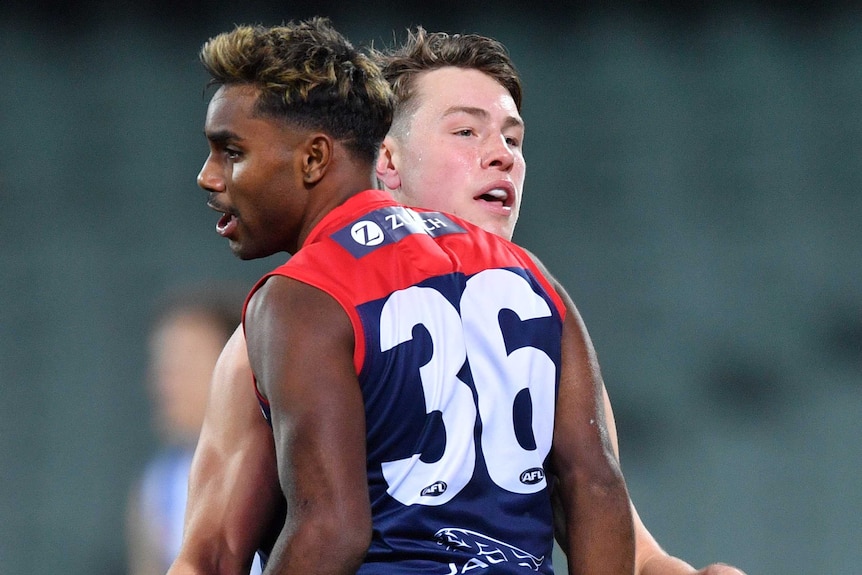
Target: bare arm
(650, 558)
(598, 522)
(234, 497)
(655, 561)
(300, 344)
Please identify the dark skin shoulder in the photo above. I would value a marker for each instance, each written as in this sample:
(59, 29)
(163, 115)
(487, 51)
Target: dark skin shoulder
(300, 344)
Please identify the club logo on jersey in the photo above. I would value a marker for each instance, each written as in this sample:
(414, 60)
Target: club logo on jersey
(532, 476)
(436, 488)
(366, 233)
(486, 550)
(389, 225)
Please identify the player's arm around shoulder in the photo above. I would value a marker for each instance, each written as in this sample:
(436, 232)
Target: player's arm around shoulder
(234, 497)
(599, 531)
(653, 560)
(301, 343)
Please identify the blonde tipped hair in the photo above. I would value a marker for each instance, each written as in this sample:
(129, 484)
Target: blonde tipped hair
(307, 74)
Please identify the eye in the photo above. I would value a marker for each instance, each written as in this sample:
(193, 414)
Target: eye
(514, 142)
(465, 132)
(223, 148)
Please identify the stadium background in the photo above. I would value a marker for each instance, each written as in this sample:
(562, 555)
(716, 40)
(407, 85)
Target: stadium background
(694, 180)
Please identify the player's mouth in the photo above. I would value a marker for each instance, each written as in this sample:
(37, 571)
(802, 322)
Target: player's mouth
(227, 223)
(500, 196)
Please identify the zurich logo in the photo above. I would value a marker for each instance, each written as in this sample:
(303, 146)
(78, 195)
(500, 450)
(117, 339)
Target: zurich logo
(532, 476)
(366, 233)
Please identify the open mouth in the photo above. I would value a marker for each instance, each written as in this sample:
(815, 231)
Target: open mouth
(500, 196)
(226, 225)
(228, 221)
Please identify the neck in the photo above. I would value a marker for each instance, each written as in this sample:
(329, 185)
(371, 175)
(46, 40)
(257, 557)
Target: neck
(337, 187)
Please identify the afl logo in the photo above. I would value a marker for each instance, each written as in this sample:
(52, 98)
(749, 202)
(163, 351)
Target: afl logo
(435, 489)
(367, 233)
(532, 476)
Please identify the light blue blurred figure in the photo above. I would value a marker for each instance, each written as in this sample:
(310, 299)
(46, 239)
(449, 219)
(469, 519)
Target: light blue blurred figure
(189, 330)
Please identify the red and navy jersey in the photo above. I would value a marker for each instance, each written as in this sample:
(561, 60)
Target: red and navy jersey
(458, 356)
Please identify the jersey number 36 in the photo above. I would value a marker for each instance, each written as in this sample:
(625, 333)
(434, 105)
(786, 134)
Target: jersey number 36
(499, 377)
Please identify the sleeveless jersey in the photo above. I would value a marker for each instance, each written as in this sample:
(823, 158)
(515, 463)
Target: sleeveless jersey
(458, 357)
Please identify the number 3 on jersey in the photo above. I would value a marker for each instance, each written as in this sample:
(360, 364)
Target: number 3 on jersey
(499, 378)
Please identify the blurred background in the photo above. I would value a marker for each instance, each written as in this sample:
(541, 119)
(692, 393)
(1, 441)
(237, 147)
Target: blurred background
(694, 180)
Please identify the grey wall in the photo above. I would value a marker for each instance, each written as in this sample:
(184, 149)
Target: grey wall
(694, 180)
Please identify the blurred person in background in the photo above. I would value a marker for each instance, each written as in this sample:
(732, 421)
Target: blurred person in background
(190, 328)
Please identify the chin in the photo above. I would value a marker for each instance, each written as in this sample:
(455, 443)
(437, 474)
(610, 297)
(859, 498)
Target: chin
(248, 253)
(237, 250)
(242, 252)
(501, 230)
(244, 256)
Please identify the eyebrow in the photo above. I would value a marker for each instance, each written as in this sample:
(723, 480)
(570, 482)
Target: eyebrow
(511, 121)
(222, 136)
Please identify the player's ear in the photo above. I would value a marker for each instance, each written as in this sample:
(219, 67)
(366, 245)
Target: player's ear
(316, 157)
(388, 161)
